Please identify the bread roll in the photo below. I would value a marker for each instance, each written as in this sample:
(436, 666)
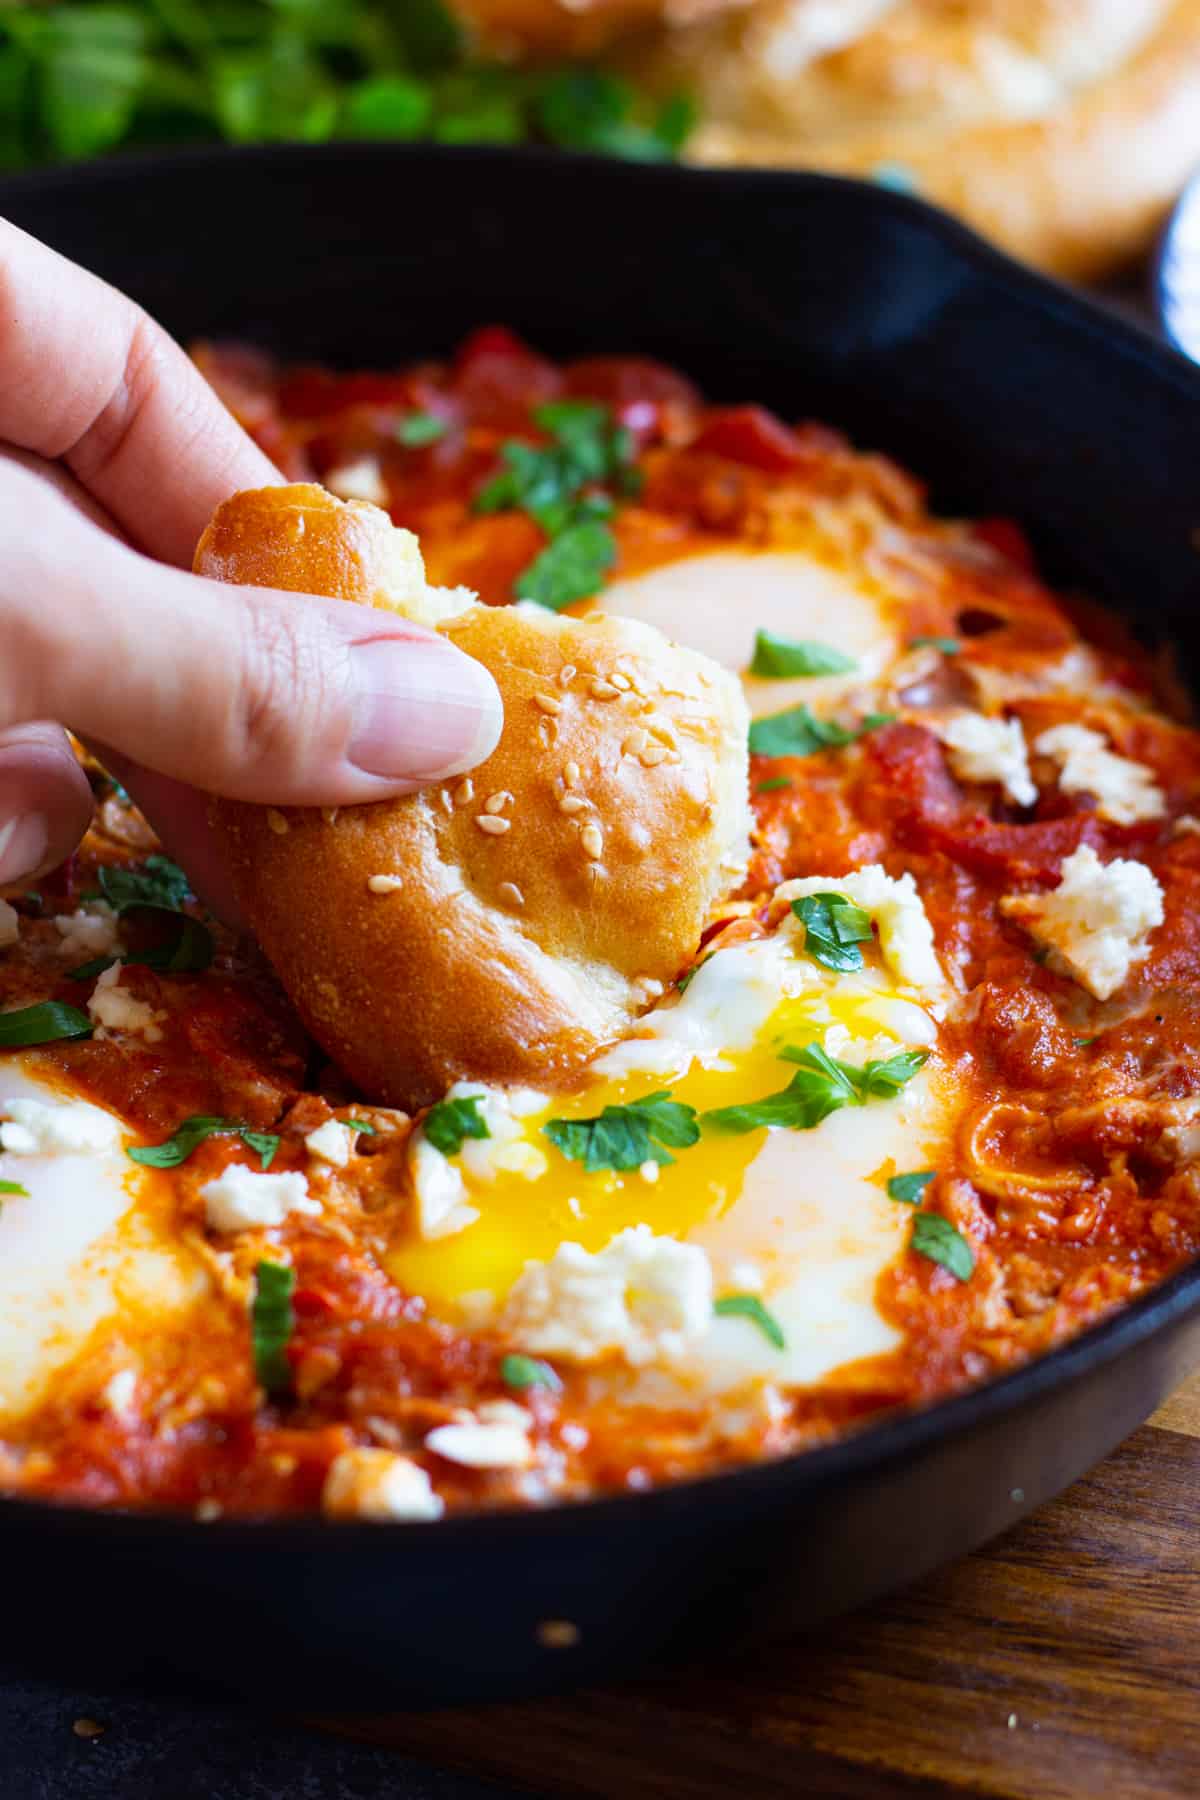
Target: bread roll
(507, 925)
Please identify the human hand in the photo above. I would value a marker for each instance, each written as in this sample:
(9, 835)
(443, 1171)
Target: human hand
(113, 454)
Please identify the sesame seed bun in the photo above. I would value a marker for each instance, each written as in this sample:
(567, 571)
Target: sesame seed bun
(507, 925)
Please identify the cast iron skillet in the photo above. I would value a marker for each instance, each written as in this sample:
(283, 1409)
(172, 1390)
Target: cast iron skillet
(836, 300)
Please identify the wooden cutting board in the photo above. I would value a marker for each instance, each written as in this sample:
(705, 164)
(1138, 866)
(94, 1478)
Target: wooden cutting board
(1060, 1662)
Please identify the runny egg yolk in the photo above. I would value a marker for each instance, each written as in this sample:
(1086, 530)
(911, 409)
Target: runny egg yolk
(524, 1216)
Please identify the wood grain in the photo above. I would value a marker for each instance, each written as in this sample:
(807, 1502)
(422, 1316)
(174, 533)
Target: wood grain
(1059, 1662)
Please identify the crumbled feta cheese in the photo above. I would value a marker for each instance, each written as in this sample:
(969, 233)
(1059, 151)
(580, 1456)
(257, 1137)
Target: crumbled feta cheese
(1125, 791)
(905, 934)
(240, 1198)
(116, 1396)
(68, 1128)
(378, 1485)
(440, 1184)
(90, 931)
(642, 1298)
(504, 1412)
(989, 749)
(479, 1446)
(332, 1142)
(439, 1189)
(1096, 920)
(358, 480)
(115, 1010)
(10, 925)
(1186, 825)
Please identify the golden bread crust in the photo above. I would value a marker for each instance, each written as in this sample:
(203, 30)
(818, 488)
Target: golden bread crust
(504, 926)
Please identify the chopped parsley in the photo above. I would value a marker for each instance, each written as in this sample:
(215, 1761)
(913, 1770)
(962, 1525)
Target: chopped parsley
(359, 1125)
(625, 1137)
(1082, 1043)
(749, 1306)
(820, 1086)
(936, 1238)
(833, 929)
(521, 1372)
(419, 429)
(948, 646)
(571, 566)
(272, 1322)
(193, 1131)
(14, 1187)
(909, 1188)
(798, 732)
(778, 657)
(448, 1123)
(159, 883)
(773, 785)
(46, 1023)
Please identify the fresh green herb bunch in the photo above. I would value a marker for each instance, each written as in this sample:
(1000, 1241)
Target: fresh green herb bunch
(80, 77)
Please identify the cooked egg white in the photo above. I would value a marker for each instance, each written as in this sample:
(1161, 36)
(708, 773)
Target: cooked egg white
(78, 1250)
(717, 601)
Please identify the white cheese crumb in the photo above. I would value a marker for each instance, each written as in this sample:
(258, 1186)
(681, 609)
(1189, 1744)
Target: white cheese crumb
(905, 934)
(240, 1198)
(331, 1142)
(70, 1128)
(378, 1485)
(989, 749)
(649, 1171)
(1125, 791)
(439, 1189)
(1186, 825)
(115, 1010)
(116, 1396)
(359, 480)
(90, 931)
(478, 1446)
(642, 1298)
(1096, 920)
(504, 1412)
(10, 925)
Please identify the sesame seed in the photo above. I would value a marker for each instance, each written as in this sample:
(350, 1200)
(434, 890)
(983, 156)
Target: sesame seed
(447, 800)
(603, 690)
(653, 755)
(511, 894)
(464, 793)
(277, 822)
(592, 840)
(548, 731)
(572, 803)
(622, 681)
(571, 774)
(492, 825)
(497, 802)
(385, 884)
(567, 674)
(548, 703)
(635, 743)
(329, 814)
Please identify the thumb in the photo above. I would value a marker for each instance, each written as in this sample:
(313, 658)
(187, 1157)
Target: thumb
(247, 692)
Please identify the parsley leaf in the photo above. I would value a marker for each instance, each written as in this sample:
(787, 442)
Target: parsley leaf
(360, 1125)
(796, 732)
(884, 1079)
(909, 1188)
(272, 1322)
(14, 1187)
(450, 1121)
(44, 1024)
(419, 429)
(936, 1238)
(776, 657)
(820, 1086)
(1082, 1043)
(947, 645)
(191, 953)
(193, 1131)
(749, 1306)
(770, 787)
(624, 1137)
(520, 1372)
(158, 883)
(833, 929)
(571, 567)
(588, 109)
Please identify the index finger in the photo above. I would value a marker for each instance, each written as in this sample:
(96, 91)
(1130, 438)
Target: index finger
(87, 378)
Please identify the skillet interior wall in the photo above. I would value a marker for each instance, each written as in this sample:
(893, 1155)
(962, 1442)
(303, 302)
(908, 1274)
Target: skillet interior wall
(834, 300)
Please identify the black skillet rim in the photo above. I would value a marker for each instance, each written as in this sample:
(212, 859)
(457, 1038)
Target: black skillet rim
(895, 1438)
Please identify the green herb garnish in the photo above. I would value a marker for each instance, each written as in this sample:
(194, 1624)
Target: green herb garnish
(419, 429)
(947, 645)
(193, 1131)
(46, 1023)
(936, 1238)
(820, 1086)
(521, 1372)
(833, 929)
(775, 657)
(450, 1121)
(191, 953)
(158, 883)
(14, 1187)
(272, 1322)
(749, 1306)
(1082, 1043)
(360, 1125)
(798, 732)
(909, 1188)
(572, 566)
(625, 1137)
(773, 785)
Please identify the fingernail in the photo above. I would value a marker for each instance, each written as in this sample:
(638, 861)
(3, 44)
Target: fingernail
(23, 844)
(424, 709)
